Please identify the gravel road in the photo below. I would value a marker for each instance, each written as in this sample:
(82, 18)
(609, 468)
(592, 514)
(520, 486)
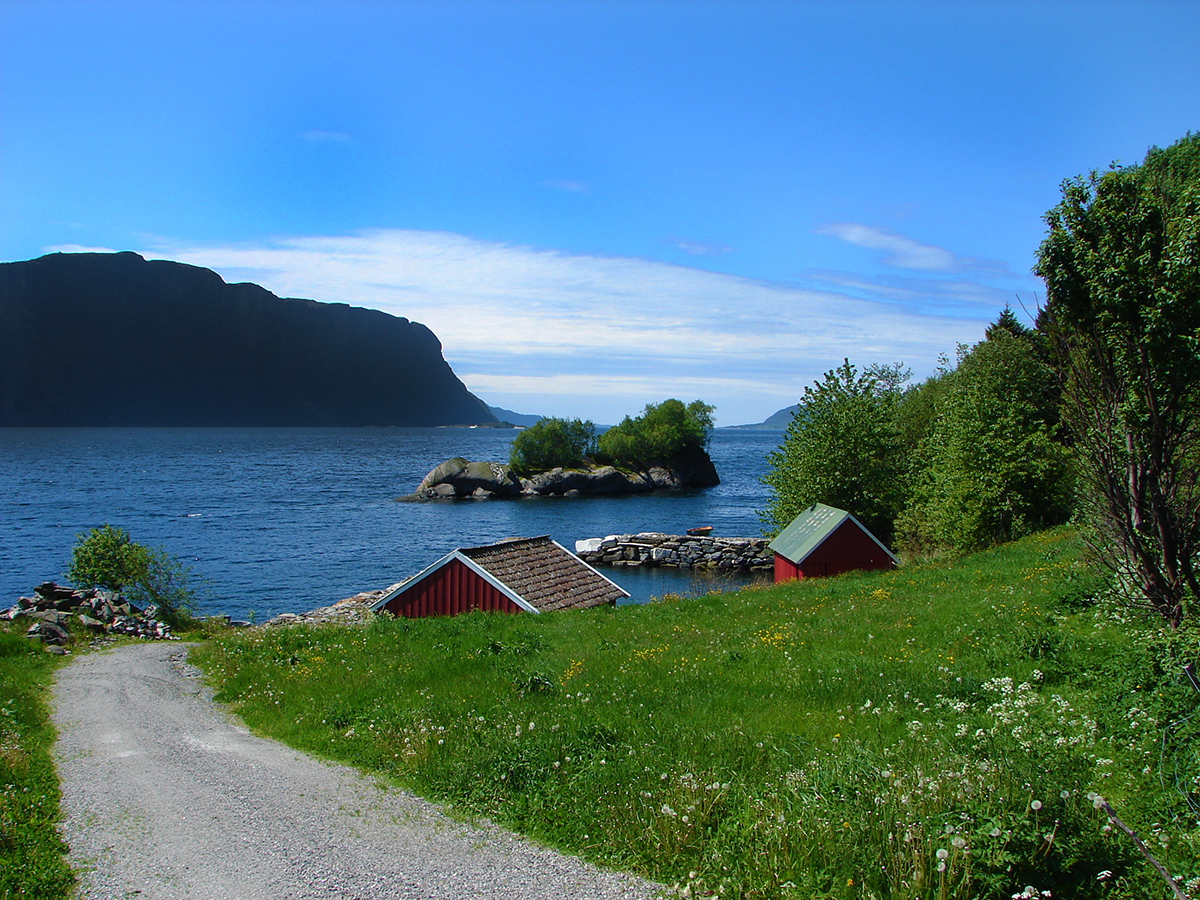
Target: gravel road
(167, 795)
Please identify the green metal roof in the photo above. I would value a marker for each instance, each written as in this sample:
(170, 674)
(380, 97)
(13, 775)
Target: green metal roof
(809, 529)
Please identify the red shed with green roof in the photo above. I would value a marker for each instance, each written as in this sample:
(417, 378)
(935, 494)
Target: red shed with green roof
(822, 541)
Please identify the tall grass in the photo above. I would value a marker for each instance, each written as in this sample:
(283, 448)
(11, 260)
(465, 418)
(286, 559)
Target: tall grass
(31, 851)
(934, 732)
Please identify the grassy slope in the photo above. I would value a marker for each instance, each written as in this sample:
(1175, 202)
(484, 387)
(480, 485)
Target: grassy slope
(931, 732)
(31, 851)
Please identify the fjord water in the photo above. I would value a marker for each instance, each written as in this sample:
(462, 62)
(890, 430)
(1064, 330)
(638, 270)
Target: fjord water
(285, 520)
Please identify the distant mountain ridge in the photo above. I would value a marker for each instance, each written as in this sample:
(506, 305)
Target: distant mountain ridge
(777, 421)
(524, 420)
(115, 339)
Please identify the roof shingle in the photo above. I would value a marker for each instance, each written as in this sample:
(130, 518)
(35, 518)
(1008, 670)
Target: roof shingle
(546, 575)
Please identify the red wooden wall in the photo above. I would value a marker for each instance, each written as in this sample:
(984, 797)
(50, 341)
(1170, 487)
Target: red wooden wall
(847, 549)
(451, 590)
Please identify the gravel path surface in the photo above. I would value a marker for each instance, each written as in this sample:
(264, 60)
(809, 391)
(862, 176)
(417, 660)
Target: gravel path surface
(167, 795)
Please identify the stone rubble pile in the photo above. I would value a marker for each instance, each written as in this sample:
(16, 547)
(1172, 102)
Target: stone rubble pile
(53, 606)
(351, 611)
(683, 551)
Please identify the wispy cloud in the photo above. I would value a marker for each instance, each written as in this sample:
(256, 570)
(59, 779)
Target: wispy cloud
(567, 185)
(900, 252)
(702, 248)
(321, 136)
(77, 248)
(560, 334)
(950, 292)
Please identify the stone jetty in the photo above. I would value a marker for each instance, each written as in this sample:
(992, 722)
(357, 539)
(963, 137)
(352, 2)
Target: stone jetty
(681, 551)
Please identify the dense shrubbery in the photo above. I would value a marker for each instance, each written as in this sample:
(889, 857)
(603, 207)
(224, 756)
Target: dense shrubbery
(107, 557)
(663, 432)
(966, 459)
(843, 448)
(551, 443)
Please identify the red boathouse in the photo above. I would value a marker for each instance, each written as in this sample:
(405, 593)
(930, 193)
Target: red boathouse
(823, 541)
(519, 575)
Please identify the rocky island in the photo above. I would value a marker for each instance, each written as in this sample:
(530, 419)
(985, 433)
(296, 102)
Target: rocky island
(459, 478)
(665, 447)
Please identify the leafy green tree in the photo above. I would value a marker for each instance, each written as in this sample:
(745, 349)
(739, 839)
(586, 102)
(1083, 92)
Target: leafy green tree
(1121, 262)
(663, 432)
(107, 557)
(551, 443)
(842, 448)
(989, 469)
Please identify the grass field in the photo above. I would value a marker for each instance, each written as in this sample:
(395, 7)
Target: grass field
(932, 732)
(31, 851)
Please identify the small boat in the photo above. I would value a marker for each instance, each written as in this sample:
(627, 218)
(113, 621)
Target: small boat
(702, 530)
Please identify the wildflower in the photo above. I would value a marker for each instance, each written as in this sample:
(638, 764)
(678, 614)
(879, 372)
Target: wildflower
(958, 841)
(1105, 875)
(1035, 805)
(942, 853)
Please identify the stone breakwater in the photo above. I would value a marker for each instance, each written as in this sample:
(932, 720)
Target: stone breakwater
(682, 551)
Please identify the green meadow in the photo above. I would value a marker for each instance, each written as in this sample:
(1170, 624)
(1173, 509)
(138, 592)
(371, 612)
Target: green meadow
(939, 731)
(31, 851)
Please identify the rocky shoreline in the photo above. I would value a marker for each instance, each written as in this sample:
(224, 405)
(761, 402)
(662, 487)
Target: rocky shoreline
(681, 551)
(459, 479)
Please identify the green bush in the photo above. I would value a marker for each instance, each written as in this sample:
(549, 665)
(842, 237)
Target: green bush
(989, 469)
(663, 432)
(107, 557)
(551, 443)
(842, 448)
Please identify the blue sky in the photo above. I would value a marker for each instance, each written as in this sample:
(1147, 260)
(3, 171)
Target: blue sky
(594, 205)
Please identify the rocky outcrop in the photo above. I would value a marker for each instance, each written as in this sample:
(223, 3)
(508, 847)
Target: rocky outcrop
(354, 610)
(458, 478)
(682, 551)
(115, 339)
(53, 607)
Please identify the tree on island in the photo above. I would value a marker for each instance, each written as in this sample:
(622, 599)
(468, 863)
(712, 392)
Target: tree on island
(665, 432)
(552, 443)
(1121, 262)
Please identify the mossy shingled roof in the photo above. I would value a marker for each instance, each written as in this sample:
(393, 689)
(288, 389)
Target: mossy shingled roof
(544, 574)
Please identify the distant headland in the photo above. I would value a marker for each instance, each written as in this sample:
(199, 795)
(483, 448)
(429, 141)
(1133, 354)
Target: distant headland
(114, 339)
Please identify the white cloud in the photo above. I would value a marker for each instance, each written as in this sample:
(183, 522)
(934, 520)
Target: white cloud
(568, 185)
(76, 248)
(559, 334)
(702, 248)
(321, 136)
(901, 252)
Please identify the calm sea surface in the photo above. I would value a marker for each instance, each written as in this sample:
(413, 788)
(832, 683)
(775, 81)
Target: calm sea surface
(285, 520)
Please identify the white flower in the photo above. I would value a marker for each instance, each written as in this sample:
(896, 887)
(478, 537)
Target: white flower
(942, 853)
(1035, 805)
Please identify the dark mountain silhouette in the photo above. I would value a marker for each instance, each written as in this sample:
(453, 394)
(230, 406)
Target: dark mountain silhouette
(114, 339)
